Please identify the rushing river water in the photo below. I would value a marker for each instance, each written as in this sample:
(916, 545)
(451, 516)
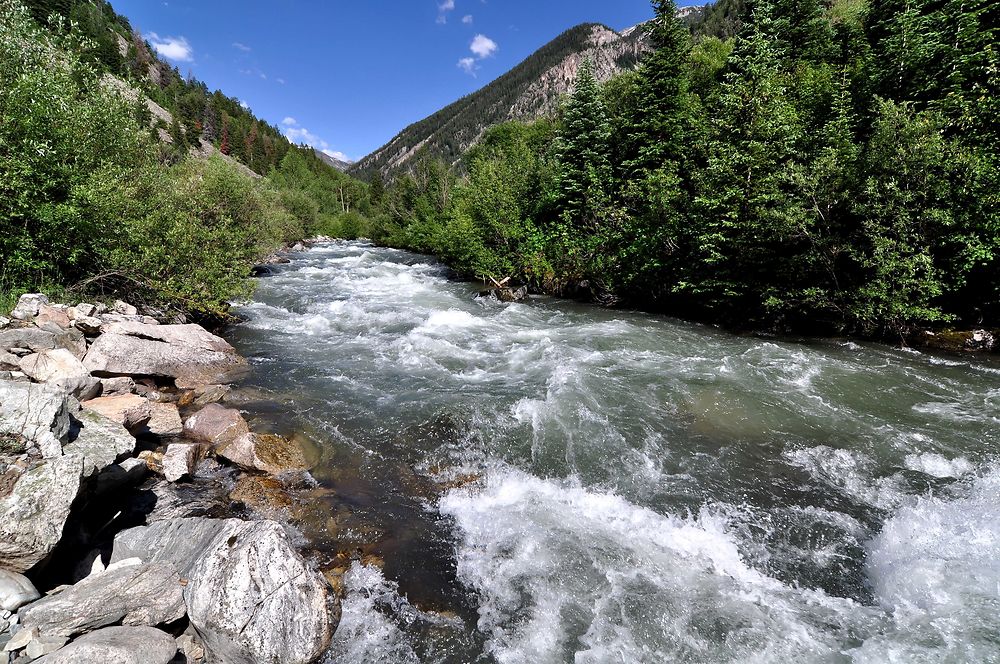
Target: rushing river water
(552, 482)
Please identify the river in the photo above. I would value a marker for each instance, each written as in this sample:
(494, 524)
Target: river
(553, 482)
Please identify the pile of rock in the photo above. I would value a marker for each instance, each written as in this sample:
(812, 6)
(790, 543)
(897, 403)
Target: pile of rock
(93, 399)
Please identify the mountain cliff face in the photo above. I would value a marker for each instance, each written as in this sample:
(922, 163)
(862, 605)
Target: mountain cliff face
(532, 89)
(333, 162)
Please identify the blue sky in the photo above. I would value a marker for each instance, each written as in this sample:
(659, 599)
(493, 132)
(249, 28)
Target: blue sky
(347, 75)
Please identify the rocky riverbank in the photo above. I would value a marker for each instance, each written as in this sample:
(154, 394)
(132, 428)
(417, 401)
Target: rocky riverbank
(121, 467)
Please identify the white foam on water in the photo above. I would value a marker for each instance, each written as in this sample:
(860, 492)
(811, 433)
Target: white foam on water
(936, 465)
(567, 574)
(850, 471)
(935, 569)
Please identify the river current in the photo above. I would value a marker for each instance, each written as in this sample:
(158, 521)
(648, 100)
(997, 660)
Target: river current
(551, 482)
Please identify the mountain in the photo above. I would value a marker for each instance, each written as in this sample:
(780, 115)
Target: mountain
(531, 89)
(339, 164)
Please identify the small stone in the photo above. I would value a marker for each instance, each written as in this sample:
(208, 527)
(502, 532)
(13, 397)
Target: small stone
(28, 306)
(21, 639)
(124, 308)
(89, 325)
(84, 310)
(112, 387)
(180, 460)
(43, 645)
(4, 322)
(154, 461)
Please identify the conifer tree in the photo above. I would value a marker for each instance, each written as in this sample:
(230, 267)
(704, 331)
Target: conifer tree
(582, 150)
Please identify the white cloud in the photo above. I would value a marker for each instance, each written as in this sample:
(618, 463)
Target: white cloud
(338, 155)
(483, 47)
(468, 65)
(245, 105)
(242, 47)
(289, 121)
(467, 19)
(444, 7)
(280, 80)
(172, 48)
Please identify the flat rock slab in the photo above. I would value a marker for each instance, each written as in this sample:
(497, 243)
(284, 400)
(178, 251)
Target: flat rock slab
(33, 516)
(38, 414)
(250, 595)
(117, 645)
(187, 353)
(143, 595)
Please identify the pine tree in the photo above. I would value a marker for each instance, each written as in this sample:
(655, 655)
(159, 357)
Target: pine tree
(582, 152)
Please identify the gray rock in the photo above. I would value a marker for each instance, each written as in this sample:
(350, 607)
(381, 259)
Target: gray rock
(32, 517)
(111, 387)
(30, 338)
(35, 414)
(180, 460)
(187, 353)
(43, 645)
(124, 308)
(16, 590)
(4, 322)
(216, 425)
(100, 441)
(21, 639)
(9, 361)
(139, 595)
(117, 645)
(89, 325)
(57, 315)
(84, 310)
(165, 421)
(246, 581)
(60, 368)
(28, 306)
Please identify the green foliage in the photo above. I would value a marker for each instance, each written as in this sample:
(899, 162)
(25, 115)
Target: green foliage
(804, 165)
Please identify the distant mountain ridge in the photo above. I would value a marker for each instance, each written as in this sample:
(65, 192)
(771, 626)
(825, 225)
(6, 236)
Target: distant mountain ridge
(339, 164)
(531, 89)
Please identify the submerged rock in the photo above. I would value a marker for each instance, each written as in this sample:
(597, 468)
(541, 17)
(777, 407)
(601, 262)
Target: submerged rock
(250, 595)
(265, 452)
(136, 595)
(117, 645)
(189, 354)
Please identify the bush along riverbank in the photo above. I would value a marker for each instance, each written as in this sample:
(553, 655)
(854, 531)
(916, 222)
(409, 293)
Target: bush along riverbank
(122, 472)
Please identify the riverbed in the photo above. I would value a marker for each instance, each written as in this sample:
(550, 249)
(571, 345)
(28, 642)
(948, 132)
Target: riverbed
(547, 481)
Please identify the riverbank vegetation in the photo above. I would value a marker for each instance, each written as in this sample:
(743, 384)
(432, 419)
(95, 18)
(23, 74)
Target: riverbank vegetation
(94, 200)
(830, 168)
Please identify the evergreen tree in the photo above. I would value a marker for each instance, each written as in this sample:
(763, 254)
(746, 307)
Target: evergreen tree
(582, 153)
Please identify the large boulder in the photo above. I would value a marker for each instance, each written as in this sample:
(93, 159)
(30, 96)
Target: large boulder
(250, 595)
(36, 340)
(136, 595)
(129, 410)
(33, 416)
(100, 441)
(117, 645)
(165, 421)
(33, 515)
(15, 591)
(216, 425)
(60, 368)
(187, 353)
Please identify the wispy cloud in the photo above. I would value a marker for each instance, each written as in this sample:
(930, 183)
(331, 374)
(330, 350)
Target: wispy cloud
(298, 134)
(467, 19)
(444, 8)
(289, 121)
(172, 48)
(337, 155)
(242, 47)
(483, 47)
(468, 65)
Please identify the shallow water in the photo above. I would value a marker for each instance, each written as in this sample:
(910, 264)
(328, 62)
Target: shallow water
(642, 490)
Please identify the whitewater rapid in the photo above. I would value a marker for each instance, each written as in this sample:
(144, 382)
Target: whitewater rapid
(552, 482)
